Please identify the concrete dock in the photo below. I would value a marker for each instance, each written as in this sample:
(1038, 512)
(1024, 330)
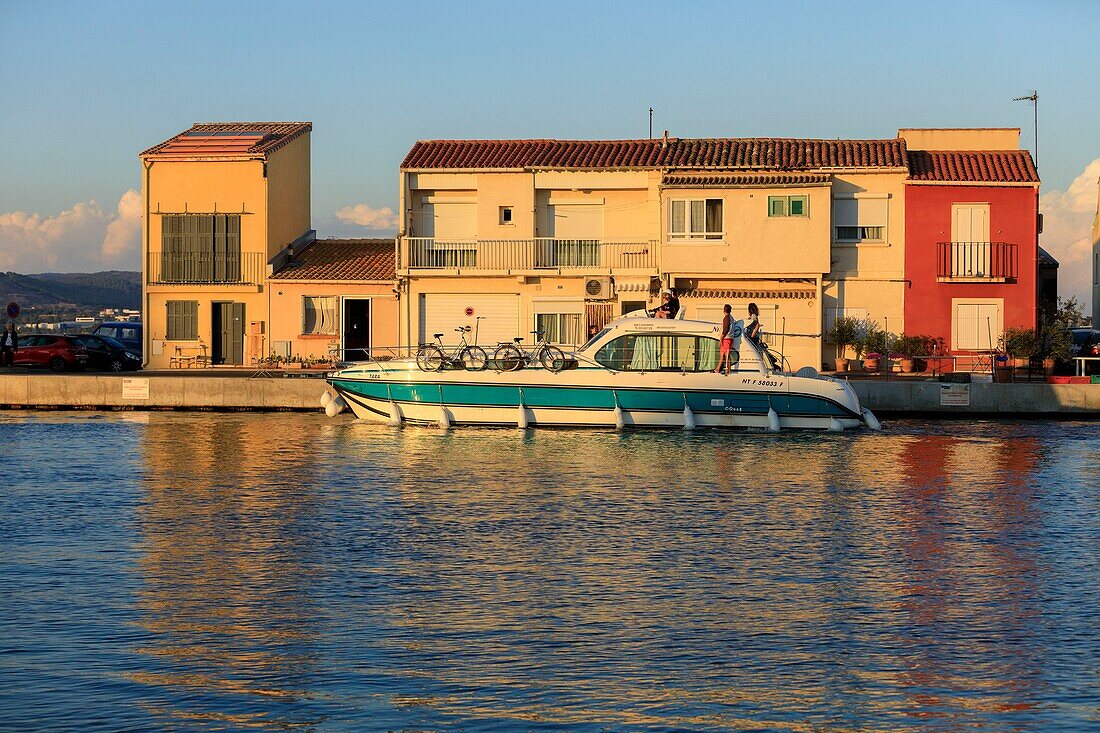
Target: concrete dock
(237, 391)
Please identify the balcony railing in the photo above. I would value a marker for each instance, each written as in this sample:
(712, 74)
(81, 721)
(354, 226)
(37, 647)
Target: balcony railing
(205, 268)
(977, 261)
(517, 255)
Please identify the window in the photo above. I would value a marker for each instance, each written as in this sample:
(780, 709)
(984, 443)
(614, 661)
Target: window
(657, 352)
(789, 206)
(695, 219)
(319, 314)
(183, 320)
(860, 218)
(505, 214)
(978, 325)
(201, 248)
(561, 328)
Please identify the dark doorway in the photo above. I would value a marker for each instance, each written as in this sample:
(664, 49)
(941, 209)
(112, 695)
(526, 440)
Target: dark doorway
(228, 333)
(356, 329)
(629, 306)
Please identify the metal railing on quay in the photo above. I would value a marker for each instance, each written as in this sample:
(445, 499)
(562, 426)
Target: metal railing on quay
(205, 268)
(528, 254)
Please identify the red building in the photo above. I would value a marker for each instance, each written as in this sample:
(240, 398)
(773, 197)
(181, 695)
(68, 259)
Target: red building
(971, 244)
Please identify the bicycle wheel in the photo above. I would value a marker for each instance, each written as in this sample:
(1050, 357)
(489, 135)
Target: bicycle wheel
(552, 358)
(507, 358)
(472, 358)
(430, 358)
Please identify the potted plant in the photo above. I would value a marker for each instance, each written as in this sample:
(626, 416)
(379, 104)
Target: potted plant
(908, 348)
(1056, 340)
(1020, 344)
(842, 334)
(876, 342)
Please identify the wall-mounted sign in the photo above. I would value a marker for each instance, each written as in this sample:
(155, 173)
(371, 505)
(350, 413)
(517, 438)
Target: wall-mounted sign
(955, 395)
(135, 389)
(13, 310)
(469, 311)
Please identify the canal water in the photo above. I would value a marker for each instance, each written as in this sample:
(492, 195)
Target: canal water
(275, 572)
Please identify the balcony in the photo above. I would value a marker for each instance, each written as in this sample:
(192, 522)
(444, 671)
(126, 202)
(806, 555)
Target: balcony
(205, 268)
(971, 262)
(528, 255)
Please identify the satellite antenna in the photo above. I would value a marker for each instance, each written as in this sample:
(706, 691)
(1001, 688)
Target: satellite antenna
(1034, 99)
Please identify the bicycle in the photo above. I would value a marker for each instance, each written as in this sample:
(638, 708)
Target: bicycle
(433, 358)
(508, 357)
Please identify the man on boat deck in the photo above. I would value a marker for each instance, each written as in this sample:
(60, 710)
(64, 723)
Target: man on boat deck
(726, 356)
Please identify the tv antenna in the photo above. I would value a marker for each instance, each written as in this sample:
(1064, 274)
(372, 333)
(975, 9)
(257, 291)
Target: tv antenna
(1034, 99)
(650, 123)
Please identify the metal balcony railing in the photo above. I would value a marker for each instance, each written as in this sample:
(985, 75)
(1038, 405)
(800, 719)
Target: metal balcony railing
(511, 255)
(977, 261)
(205, 268)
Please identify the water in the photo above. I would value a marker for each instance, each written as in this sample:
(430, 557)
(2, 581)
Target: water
(208, 572)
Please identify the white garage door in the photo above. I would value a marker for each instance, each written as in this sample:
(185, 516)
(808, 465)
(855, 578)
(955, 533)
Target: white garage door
(444, 312)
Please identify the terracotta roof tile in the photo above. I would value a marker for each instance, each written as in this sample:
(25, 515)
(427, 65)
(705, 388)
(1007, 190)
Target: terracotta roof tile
(743, 180)
(274, 136)
(983, 166)
(683, 153)
(343, 259)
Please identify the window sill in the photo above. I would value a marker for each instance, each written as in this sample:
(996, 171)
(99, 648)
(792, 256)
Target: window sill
(696, 241)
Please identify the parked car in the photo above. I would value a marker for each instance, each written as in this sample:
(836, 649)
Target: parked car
(57, 353)
(108, 354)
(128, 332)
(1086, 342)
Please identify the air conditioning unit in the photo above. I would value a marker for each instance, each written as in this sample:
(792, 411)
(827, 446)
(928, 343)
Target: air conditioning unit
(597, 288)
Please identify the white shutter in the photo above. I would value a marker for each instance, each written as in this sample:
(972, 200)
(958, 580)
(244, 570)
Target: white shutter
(576, 221)
(845, 213)
(452, 221)
(977, 326)
(871, 212)
(444, 312)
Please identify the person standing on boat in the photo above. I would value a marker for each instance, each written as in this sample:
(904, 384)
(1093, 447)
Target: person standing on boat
(725, 357)
(9, 342)
(752, 330)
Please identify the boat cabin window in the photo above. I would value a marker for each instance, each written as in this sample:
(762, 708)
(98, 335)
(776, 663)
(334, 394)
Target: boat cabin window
(594, 339)
(654, 352)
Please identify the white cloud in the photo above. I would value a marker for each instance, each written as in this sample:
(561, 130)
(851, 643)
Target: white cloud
(368, 216)
(1067, 232)
(83, 238)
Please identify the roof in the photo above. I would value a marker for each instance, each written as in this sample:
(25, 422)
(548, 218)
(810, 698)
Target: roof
(981, 166)
(745, 180)
(370, 260)
(1046, 260)
(208, 139)
(682, 153)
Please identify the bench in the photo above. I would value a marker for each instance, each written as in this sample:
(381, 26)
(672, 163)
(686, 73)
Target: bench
(189, 356)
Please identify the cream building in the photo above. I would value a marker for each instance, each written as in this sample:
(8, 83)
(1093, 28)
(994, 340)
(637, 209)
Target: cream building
(512, 236)
(222, 202)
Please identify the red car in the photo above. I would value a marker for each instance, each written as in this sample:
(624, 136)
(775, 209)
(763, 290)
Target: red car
(59, 353)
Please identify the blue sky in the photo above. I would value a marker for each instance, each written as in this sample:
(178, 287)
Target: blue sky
(86, 86)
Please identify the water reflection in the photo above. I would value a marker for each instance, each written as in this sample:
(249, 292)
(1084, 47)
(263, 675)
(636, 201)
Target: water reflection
(294, 572)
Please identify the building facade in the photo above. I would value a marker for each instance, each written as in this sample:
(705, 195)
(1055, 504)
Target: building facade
(971, 238)
(513, 236)
(221, 201)
(335, 298)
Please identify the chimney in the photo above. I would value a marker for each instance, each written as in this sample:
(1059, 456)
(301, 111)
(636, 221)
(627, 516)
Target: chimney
(664, 140)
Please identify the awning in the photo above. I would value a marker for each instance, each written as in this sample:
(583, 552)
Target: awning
(628, 285)
(746, 293)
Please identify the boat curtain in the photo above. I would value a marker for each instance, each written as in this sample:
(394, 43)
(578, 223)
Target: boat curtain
(644, 358)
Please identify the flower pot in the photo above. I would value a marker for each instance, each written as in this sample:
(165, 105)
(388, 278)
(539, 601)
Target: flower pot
(843, 364)
(870, 365)
(293, 365)
(908, 366)
(1002, 374)
(1048, 367)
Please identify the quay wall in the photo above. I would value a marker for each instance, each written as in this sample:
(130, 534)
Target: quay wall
(138, 392)
(1046, 400)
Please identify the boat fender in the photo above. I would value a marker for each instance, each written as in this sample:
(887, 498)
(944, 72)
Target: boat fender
(620, 423)
(395, 415)
(689, 418)
(773, 420)
(325, 398)
(835, 426)
(871, 420)
(521, 421)
(332, 409)
(444, 418)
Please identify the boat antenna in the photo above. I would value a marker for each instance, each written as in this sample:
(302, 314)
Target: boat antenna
(1034, 99)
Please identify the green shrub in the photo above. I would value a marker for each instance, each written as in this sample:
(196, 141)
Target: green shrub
(1020, 343)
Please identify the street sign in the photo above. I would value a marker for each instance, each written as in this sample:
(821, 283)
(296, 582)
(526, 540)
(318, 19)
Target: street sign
(469, 311)
(13, 310)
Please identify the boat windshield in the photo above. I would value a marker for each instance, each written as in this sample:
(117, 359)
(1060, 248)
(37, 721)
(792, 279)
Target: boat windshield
(594, 339)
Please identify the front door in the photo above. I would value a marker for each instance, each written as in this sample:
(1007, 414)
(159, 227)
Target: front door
(970, 247)
(356, 329)
(228, 333)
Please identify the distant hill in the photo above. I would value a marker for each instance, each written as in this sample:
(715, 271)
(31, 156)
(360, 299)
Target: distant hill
(110, 289)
